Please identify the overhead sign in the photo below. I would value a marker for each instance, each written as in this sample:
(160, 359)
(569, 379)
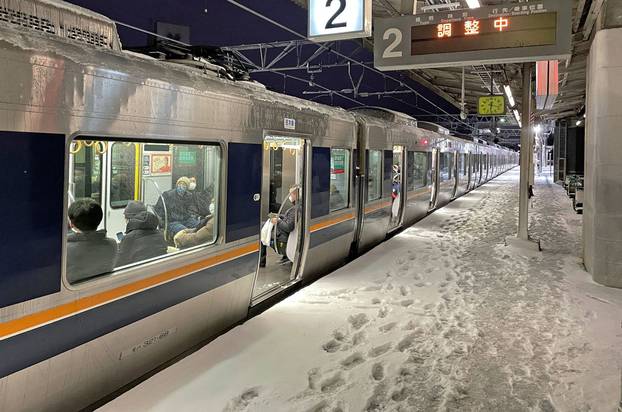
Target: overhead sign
(512, 33)
(547, 83)
(491, 105)
(339, 19)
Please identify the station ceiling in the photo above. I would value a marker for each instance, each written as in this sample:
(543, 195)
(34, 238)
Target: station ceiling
(270, 35)
(447, 82)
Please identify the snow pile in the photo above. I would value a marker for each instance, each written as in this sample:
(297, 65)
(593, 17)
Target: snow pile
(441, 317)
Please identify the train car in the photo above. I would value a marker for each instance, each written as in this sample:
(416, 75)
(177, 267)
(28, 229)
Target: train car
(103, 149)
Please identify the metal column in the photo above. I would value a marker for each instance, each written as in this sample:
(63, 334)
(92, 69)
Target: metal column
(526, 155)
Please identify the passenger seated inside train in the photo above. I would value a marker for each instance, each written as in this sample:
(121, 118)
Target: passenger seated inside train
(142, 239)
(175, 207)
(203, 233)
(285, 224)
(89, 252)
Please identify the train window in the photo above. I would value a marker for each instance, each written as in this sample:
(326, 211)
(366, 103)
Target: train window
(85, 171)
(462, 165)
(374, 175)
(122, 174)
(446, 166)
(339, 178)
(155, 200)
(417, 170)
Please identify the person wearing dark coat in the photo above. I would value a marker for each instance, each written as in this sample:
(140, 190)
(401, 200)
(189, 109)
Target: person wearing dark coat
(89, 252)
(180, 203)
(142, 238)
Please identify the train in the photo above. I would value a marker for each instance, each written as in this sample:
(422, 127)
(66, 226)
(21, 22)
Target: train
(81, 118)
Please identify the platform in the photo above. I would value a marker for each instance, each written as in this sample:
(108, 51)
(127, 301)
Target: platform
(443, 316)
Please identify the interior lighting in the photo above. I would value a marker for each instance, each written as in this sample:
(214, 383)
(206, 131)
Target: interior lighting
(537, 128)
(579, 122)
(508, 93)
(473, 4)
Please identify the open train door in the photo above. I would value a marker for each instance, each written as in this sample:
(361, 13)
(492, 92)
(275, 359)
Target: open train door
(284, 196)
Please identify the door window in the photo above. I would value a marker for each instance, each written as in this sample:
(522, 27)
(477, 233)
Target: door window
(374, 175)
(446, 166)
(339, 178)
(417, 170)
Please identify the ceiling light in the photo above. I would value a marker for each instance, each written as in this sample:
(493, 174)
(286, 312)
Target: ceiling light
(473, 4)
(503, 120)
(579, 122)
(537, 128)
(508, 93)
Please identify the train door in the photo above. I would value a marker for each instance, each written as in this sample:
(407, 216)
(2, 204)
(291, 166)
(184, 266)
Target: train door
(397, 185)
(283, 197)
(435, 177)
(469, 172)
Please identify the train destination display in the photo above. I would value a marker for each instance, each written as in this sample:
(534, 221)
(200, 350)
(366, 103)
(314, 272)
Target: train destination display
(497, 34)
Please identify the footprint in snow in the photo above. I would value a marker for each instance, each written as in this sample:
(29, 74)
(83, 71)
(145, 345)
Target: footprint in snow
(377, 371)
(358, 321)
(331, 346)
(388, 327)
(241, 402)
(353, 360)
(379, 350)
(332, 383)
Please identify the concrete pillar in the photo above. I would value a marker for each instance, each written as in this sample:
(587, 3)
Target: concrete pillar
(602, 222)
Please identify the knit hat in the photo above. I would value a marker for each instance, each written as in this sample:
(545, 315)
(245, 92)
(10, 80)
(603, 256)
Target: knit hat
(183, 180)
(133, 208)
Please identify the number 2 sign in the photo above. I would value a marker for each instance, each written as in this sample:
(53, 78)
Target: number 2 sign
(339, 19)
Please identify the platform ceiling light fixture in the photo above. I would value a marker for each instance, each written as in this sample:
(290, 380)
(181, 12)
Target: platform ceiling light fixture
(473, 4)
(508, 93)
(537, 128)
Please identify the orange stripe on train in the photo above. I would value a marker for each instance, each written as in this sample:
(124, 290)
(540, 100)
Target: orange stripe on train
(49, 315)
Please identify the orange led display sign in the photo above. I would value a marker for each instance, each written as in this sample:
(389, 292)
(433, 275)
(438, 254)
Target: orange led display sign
(483, 34)
(509, 32)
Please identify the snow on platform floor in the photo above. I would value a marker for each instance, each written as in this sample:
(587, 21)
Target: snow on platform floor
(441, 317)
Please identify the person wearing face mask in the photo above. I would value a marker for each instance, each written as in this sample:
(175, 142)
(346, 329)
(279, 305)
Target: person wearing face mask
(179, 204)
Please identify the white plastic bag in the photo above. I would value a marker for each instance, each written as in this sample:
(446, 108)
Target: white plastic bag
(266, 233)
(292, 244)
(395, 209)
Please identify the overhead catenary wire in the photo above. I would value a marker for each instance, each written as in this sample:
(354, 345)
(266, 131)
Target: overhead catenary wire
(348, 58)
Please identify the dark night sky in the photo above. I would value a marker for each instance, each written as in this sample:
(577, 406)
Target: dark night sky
(219, 23)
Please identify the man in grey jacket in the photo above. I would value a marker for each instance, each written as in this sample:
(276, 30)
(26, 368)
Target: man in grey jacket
(286, 222)
(89, 252)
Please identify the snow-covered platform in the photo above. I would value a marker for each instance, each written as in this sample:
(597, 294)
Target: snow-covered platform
(442, 317)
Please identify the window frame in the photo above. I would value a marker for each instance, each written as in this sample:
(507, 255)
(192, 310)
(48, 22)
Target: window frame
(349, 151)
(114, 207)
(122, 274)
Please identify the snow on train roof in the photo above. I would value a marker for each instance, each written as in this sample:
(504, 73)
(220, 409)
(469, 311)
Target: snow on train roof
(142, 67)
(77, 10)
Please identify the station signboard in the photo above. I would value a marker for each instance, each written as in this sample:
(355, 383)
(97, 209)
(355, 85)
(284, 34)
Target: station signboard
(510, 33)
(339, 19)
